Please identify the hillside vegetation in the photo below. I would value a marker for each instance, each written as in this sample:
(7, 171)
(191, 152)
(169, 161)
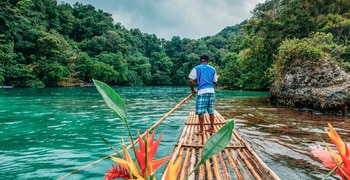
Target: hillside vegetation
(44, 43)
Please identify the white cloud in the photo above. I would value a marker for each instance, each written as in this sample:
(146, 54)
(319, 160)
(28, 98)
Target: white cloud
(185, 18)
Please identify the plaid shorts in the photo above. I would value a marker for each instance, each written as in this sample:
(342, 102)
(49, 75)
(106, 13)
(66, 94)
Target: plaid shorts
(204, 103)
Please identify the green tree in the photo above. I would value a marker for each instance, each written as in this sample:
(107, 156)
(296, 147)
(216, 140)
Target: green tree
(110, 41)
(232, 71)
(89, 22)
(51, 74)
(66, 19)
(119, 65)
(104, 72)
(139, 70)
(84, 67)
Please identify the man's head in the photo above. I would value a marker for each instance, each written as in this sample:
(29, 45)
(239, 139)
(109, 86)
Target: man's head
(204, 58)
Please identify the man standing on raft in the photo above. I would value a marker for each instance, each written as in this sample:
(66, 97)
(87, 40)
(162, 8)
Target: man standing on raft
(206, 78)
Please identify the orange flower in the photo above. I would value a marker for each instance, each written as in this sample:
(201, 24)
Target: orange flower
(128, 163)
(343, 158)
(145, 159)
(173, 169)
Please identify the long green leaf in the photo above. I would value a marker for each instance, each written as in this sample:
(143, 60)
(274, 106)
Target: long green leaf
(216, 143)
(114, 102)
(112, 99)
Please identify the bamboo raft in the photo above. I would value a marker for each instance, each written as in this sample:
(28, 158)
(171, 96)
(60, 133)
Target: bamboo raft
(236, 161)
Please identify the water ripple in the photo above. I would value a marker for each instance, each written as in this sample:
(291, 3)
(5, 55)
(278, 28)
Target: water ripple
(46, 133)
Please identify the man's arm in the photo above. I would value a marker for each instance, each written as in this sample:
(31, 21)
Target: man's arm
(216, 79)
(192, 86)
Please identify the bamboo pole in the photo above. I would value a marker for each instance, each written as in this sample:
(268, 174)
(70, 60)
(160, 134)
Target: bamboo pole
(135, 141)
(201, 146)
(183, 171)
(233, 165)
(239, 163)
(239, 155)
(170, 112)
(208, 166)
(262, 163)
(246, 159)
(201, 169)
(216, 168)
(250, 166)
(257, 162)
(177, 150)
(217, 123)
(193, 140)
(224, 167)
(192, 164)
(188, 140)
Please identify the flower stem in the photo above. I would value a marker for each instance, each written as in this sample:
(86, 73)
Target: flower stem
(330, 173)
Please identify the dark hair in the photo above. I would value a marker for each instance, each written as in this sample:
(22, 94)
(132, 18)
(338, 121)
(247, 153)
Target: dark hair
(204, 56)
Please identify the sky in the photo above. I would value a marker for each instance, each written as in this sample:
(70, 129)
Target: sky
(192, 19)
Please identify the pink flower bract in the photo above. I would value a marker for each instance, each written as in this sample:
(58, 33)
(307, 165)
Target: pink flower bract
(324, 155)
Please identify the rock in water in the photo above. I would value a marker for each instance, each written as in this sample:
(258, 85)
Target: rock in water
(316, 85)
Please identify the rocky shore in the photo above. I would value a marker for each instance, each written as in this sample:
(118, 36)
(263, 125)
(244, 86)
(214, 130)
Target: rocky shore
(320, 86)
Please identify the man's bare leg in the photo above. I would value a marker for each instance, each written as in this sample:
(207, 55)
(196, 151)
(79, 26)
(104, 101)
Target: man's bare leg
(201, 124)
(212, 118)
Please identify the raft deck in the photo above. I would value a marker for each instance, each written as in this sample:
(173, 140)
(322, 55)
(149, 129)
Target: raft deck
(237, 161)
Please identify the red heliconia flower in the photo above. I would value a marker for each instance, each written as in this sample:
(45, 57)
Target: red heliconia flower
(116, 172)
(151, 146)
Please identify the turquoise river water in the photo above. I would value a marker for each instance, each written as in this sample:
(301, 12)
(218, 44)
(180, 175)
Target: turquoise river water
(49, 132)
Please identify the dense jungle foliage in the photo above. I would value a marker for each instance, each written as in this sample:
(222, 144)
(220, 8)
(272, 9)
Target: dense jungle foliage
(45, 43)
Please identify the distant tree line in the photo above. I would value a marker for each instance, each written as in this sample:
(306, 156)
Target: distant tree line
(46, 44)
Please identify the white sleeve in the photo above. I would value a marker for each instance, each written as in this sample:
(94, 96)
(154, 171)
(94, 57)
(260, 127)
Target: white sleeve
(215, 77)
(193, 74)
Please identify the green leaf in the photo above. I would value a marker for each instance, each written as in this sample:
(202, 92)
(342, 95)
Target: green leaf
(216, 143)
(112, 99)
